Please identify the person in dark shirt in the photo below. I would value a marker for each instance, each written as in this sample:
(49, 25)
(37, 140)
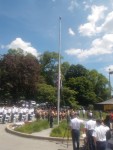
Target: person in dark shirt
(107, 121)
(51, 120)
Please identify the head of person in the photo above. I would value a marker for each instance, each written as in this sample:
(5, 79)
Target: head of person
(74, 115)
(90, 116)
(98, 122)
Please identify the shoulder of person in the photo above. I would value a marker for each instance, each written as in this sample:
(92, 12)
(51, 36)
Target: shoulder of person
(81, 120)
(107, 128)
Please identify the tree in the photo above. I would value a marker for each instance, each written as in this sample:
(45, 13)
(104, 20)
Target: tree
(68, 97)
(84, 88)
(46, 93)
(64, 68)
(76, 71)
(20, 74)
(49, 67)
(100, 84)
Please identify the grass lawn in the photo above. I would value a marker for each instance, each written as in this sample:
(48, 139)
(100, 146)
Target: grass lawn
(32, 127)
(62, 130)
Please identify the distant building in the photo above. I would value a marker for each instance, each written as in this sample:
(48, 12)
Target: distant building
(105, 106)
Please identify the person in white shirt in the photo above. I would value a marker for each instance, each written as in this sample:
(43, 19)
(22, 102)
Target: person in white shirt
(83, 112)
(75, 124)
(99, 135)
(4, 114)
(90, 126)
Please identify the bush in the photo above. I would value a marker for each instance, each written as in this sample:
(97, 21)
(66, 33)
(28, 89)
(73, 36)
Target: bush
(35, 126)
(61, 131)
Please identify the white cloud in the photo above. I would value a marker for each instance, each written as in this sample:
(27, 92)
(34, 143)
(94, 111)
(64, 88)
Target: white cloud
(71, 32)
(90, 28)
(2, 46)
(73, 5)
(109, 68)
(86, 6)
(73, 51)
(97, 13)
(26, 46)
(107, 26)
(100, 46)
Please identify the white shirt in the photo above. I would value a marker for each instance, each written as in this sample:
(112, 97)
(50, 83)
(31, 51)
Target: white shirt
(83, 111)
(100, 132)
(90, 125)
(75, 123)
(5, 111)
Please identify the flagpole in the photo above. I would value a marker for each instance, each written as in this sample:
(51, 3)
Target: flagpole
(59, 72)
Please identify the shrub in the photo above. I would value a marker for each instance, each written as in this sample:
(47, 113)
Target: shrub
(35, 126)
(61, 131)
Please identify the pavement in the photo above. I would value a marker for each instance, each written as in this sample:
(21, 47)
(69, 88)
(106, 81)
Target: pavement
(42, 140)
(45, 136)
(14, 142)
(44, 133)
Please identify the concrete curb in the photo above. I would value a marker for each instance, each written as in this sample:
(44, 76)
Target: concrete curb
(11, 131)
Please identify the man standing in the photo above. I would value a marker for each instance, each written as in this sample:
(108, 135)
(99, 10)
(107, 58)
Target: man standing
(90, 126)
(51, 120)
(75, 124)
(83, 112)
(99, 135)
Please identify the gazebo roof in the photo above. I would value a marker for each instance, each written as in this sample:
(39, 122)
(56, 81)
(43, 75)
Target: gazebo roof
(110, 101)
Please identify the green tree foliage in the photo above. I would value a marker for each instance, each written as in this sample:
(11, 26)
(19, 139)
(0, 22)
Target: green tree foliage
(65, 67)
(76, 71)
(91, 87)
(49, 66)
(100, 85)
(46, 93)
(84, 88)
(22, 75)
(19, 75)
(68, 97)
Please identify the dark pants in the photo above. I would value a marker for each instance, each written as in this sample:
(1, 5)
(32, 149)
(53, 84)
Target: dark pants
(3, 120)
(100, 145)
(75, 139)
(51, 121)
(29, 117)
(12, 117)
(20, 116)
(91, 144)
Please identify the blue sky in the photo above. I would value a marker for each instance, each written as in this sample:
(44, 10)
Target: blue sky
(86, 29)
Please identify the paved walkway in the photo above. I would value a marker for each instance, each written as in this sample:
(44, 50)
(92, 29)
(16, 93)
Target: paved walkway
(44, 133)
(12, 142)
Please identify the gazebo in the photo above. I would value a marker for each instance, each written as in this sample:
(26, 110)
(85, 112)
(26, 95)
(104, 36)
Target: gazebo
(106, 105)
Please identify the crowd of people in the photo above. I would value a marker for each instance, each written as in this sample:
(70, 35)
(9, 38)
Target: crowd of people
(97, 131)
(16, 114)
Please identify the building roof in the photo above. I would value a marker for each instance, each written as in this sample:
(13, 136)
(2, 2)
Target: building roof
(110, 101)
